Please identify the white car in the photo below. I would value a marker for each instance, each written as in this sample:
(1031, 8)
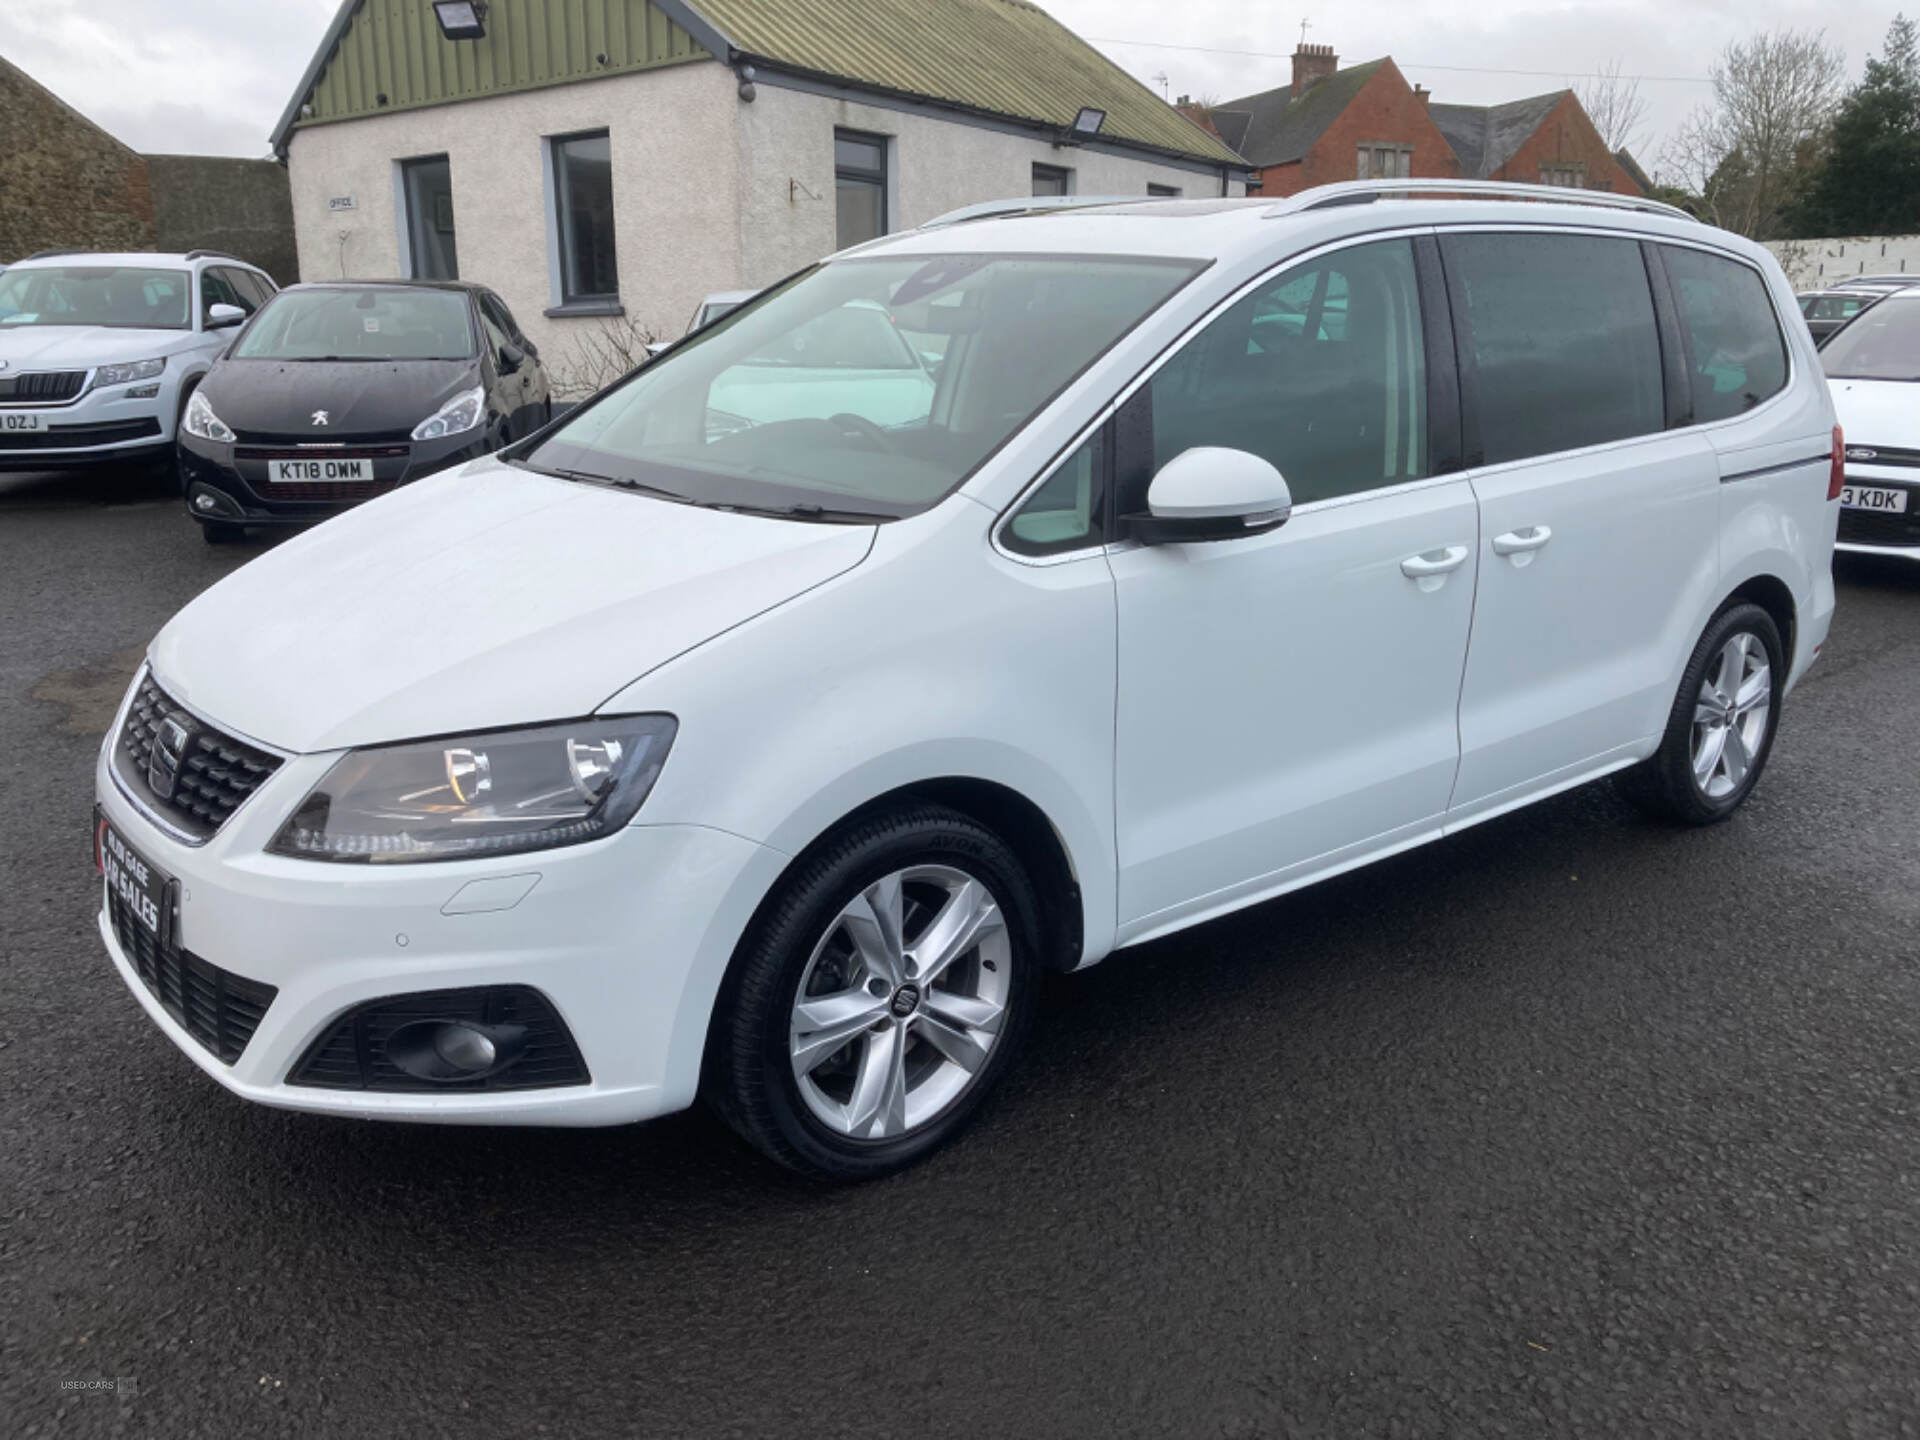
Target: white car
(1872, 365)
(100, 352)
(774, 763)
(717, 306)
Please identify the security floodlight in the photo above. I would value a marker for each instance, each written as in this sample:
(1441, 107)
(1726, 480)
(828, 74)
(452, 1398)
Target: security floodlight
(1087, 123)
(461, 19)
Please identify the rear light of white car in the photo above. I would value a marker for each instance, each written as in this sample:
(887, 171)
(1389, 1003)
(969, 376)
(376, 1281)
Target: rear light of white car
(1837, 477)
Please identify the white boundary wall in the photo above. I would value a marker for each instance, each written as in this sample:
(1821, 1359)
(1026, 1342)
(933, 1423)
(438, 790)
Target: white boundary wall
(1811, 264)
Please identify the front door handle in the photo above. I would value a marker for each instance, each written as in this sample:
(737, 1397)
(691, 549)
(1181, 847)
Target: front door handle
(1429, 569)
(1521, 544)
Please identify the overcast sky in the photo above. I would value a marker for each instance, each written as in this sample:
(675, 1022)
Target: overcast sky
(211, 76)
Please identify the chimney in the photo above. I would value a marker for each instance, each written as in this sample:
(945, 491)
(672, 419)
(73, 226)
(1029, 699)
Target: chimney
(1423, 95)
(1311, 63)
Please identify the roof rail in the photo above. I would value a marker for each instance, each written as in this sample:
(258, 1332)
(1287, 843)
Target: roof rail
(212, 255)
(49, 254)
(1365, 192)
(1029, 204)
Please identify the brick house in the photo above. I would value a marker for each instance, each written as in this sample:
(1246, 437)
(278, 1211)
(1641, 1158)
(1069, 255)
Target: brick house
(1366, 121)
(66, 184)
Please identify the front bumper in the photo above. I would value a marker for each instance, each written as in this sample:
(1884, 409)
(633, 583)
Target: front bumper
(242, 493)
(627, 938)
(99, 427)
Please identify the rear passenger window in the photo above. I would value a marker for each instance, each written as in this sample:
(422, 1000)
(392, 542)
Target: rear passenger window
(1736, 357)
(1560, 330)
(1321, 372)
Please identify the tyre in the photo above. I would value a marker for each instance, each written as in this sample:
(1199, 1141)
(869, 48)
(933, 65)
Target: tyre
(882, 992)
(217, 532)
(1721, 729)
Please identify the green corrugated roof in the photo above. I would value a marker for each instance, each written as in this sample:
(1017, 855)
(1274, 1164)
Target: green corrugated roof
(1004, 57)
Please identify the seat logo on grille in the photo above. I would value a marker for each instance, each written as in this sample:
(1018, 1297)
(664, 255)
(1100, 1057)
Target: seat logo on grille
(1860, 452)
(169, 749)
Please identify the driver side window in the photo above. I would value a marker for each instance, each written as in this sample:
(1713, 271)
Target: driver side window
(1321, 371)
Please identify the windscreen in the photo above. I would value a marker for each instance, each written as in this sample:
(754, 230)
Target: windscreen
(1882, 343)
(125, 297)
(873, 385)
(379, 322)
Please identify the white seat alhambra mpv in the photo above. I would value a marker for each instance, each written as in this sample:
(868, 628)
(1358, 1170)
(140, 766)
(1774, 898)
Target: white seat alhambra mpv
(1229, 545)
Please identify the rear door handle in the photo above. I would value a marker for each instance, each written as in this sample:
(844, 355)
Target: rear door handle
(1522, 543)
(1430, 568)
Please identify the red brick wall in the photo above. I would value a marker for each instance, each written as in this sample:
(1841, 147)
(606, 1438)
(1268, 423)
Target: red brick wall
(1567, 137)
(1386, 111)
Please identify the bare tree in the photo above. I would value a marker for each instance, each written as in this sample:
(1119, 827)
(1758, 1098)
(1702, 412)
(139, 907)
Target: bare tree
(1745, 153)
(1615, 105)
(599, 356)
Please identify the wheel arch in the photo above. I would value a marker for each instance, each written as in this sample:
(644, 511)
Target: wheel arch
(1773, 595)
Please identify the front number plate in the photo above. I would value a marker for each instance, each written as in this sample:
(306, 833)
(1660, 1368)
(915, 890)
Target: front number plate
(1869, 497)
(139, 884)
(319, 472)
(18, 421)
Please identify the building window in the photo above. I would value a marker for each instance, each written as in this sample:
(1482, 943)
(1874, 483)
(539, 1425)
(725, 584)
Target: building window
(1386, 162)
(1163, 192)
(860, 186)
(583, 212)
(428, 188)
(1567, 177)
(1052, 180)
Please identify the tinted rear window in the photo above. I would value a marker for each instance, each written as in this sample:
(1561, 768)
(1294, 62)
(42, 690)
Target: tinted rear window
(1563, 339)
(1735, 354)
(1882, 344)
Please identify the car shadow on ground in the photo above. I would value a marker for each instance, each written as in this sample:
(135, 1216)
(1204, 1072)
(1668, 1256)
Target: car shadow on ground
(662, 1183)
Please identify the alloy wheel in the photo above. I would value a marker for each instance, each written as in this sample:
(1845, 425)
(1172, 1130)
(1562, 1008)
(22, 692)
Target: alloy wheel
(901, 1002)
(1731, 715)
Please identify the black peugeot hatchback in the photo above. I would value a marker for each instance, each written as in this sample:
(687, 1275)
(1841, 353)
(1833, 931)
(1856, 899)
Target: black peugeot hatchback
(339, 391)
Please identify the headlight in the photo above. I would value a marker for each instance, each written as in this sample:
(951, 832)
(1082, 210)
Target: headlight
(462, 412)
(495, 793)
(127, 374)
(201, 420)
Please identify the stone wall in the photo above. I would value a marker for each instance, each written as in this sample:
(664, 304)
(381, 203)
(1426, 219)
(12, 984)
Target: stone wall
(64, 182)
(244, 207)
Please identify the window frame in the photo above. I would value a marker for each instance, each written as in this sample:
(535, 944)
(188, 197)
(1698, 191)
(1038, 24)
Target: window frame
(1367, 149)
(563, 226)
(1132, 421)
(410, 223)
(880, 177)
(1102, 437)
(1047, 172)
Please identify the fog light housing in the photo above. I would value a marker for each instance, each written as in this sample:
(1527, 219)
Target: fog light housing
(495, 1037)
(215, 504)
(442, 1050)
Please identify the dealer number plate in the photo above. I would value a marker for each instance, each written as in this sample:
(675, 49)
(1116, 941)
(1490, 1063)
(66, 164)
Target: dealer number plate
(319, 472)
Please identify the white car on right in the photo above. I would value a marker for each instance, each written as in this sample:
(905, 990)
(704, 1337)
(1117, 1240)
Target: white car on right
(1873, 369)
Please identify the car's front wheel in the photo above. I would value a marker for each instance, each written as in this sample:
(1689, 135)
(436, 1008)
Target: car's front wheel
(880, 997)
(1721, 728)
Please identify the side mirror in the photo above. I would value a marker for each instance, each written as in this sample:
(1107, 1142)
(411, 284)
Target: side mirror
(1209, 493)
(223, 317)
(512, 357)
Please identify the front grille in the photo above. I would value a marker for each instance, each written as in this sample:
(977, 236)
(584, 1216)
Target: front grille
(244, 451)
(1877, 527)
(218, 1008)
(304, 445)
(45, 387)
(315, 492)
(63, 437)
(216, 774)
(352, 1053)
